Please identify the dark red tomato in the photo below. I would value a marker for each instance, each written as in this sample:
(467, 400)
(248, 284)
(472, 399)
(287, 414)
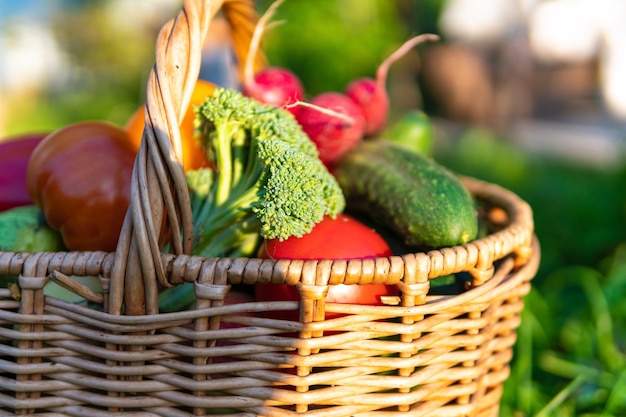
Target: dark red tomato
(341, 238)
(14, 155)
(79, 176)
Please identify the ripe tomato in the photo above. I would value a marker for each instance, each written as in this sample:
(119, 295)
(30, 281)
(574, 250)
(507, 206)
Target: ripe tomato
(194, 153)
(14, 155)
(340, 238)
(79, 176)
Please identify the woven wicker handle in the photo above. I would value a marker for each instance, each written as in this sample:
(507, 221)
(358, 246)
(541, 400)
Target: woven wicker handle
(160, 208)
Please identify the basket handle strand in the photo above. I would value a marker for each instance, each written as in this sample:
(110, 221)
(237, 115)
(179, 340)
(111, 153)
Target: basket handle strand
(160, 209)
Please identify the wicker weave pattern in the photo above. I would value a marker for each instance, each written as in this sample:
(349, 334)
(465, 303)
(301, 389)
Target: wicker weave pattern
(113, 354)
(446, 357)
(430, 356)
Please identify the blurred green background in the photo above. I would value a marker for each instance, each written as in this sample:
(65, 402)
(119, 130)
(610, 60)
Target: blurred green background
(526, 94)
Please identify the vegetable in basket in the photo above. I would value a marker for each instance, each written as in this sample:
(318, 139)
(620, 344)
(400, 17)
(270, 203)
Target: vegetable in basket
(14, 155)
(370, 94)
(24, 229)
(194, 154)
(414, 130)
(343, 237)
(79, 176)
(268, 182)
(359, 112)
(277, 86)
(422, 201)
(334, 123)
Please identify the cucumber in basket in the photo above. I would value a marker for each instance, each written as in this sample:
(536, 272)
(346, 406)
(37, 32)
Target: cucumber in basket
(412, 194)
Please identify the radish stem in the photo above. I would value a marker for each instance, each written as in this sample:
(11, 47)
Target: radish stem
(255, 42)
(383, 69)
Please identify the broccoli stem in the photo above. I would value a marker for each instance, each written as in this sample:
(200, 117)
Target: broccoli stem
(211, 219)
(200, 184)
(227, 235)
(225, 133)
(236, 240)
(239, 158)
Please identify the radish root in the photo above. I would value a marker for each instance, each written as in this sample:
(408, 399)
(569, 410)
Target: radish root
(322, 110)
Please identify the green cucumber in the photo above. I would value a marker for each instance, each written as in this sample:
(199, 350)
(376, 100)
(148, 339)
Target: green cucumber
(412, 194)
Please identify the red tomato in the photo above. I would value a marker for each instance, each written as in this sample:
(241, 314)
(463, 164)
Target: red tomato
(339, 238)
(79, 176)
(194, 153)
(14, 155)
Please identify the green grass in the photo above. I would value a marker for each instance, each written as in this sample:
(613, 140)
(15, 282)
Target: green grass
(570, 357)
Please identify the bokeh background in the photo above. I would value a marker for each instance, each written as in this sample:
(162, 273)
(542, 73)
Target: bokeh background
(530, 94)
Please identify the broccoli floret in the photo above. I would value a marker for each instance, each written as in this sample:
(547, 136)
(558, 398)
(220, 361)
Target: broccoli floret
(267, 168)
(268, 181)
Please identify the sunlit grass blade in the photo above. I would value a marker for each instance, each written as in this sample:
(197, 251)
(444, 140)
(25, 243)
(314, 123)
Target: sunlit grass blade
(617, 398)
(552, 363)
(562, 396)
(608, 352)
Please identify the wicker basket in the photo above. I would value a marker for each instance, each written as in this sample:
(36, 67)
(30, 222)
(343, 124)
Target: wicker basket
(114, 354)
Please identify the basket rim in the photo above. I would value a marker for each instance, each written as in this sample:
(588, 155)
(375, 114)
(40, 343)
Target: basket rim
(507, 279)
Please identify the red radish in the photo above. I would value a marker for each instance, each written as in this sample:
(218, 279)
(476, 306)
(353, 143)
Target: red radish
(373, 101)
(272, 85)
(371, 94)
(276, 86)
(333, 122)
